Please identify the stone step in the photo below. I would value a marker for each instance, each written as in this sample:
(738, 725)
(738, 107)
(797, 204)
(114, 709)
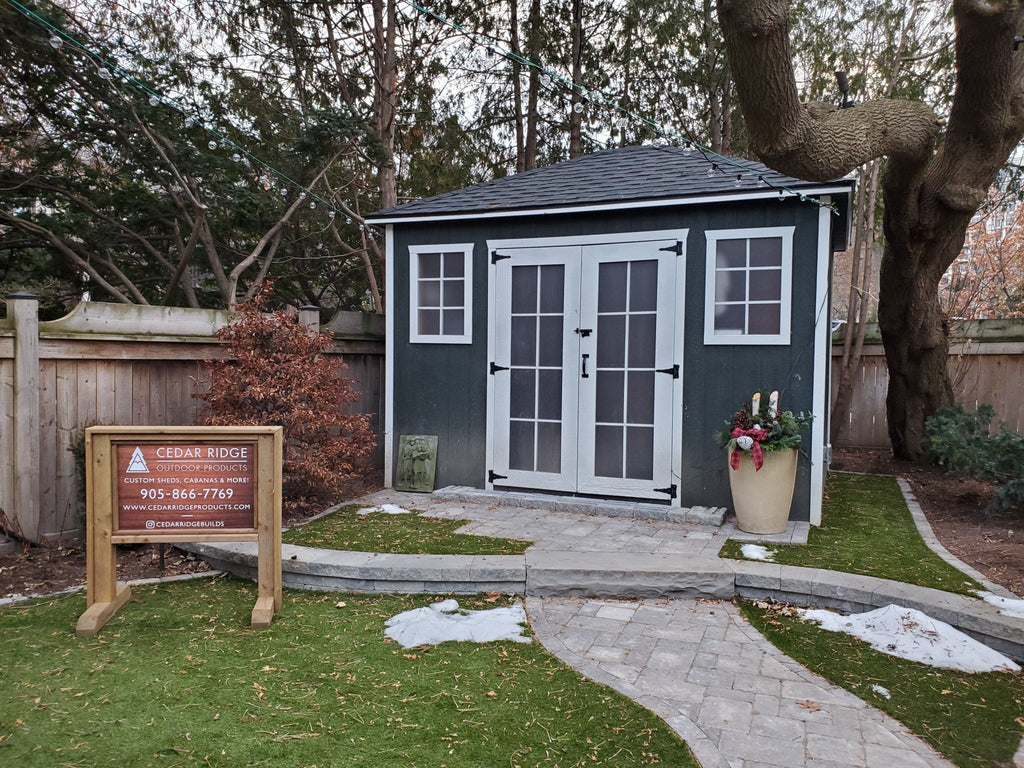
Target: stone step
(626, 575)
(634, 510)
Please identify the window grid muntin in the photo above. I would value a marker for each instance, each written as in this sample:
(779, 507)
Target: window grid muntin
(728, 321)
(440, 302)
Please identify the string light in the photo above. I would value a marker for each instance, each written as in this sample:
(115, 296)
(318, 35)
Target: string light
(106, 70)
(547, 78)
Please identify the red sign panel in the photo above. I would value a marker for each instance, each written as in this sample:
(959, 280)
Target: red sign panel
(185, 487)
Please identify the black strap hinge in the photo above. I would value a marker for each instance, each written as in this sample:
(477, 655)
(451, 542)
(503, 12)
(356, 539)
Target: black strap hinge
(492, 476)
(677, 249)
(496, 257)
(671, 490)
(495, 368)
(673, 371)
(584, 332)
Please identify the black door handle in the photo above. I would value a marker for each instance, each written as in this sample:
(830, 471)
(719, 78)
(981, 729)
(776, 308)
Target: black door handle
(585, 374)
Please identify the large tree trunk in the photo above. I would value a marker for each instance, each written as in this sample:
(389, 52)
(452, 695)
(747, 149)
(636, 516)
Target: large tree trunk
(385, 101)
(914, 335)
(929, 195)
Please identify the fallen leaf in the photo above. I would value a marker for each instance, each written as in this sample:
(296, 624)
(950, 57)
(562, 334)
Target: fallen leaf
(809, 705)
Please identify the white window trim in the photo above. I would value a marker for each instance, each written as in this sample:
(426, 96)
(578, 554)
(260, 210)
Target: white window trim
(786, 308)
(415, 337)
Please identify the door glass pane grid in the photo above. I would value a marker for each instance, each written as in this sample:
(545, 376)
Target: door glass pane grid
(748, 286)
(624, 429)
(535, 428)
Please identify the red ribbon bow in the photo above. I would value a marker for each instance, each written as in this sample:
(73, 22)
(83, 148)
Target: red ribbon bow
(759, 435)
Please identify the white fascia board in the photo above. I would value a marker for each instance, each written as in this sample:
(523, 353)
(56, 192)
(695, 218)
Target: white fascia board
(822, 354)
(669, 202)
(389, 357)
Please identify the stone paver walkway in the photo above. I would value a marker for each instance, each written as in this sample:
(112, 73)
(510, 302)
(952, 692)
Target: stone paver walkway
(736, 700)
(695, 661)
(566, 531)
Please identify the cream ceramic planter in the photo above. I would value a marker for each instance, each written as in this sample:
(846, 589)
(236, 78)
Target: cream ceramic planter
(762, 498)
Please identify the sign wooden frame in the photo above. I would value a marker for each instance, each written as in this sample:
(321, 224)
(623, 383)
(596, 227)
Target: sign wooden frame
(255, 474)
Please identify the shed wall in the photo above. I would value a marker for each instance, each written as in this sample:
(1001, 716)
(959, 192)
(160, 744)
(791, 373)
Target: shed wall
(441, 389)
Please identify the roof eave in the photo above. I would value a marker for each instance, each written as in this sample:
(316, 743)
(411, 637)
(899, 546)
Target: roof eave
(829, 188)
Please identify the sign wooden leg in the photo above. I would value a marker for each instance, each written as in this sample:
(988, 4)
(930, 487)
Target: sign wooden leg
(104, 596)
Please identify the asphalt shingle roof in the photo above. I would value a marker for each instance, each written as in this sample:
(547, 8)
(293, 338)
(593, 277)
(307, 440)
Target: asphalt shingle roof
(626, 174)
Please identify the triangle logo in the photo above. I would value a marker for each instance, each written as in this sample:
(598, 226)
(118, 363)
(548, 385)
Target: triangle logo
(137, 463)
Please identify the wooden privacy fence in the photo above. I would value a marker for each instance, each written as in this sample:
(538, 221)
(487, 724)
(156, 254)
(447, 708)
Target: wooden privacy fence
(987, 368)
(119, 364)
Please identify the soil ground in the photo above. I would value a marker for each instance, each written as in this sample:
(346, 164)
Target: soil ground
(955, 507)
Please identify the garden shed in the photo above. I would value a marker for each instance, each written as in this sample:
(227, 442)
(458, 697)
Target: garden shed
(585, 328)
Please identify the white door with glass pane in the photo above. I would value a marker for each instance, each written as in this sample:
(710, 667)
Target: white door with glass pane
(586, 345)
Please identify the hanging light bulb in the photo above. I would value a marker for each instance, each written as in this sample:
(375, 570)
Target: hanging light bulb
(545, 80)
(56, 42)
(739, 180)
(578, 107)
(760, 181)
(711, 171)
(284, 191)
(331, 214)
(211, 144)
(104, 73)
(622, 122)
(687, 148)
(312, 204)
(154, 100)
(236, 157)
(302, 195)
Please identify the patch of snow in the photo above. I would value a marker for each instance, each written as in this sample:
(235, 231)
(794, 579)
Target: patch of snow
(911, 634)
(883, 692)
(387, 509)
(757, 552)
(443, 621)
(1007, 606)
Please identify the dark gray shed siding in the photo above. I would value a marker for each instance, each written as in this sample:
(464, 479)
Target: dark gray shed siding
(441, 389)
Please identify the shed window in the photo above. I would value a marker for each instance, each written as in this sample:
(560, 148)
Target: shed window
(748, 293)
(440, 294)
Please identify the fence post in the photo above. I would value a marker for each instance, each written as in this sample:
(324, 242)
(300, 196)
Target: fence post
(309, 316)
(25, 309)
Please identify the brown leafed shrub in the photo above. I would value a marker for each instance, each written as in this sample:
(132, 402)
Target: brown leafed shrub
(278, 374)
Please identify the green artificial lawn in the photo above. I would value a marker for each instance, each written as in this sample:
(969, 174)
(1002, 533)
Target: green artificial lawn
(177, 678)
(412, 534)
(867, 529)
(975, 720)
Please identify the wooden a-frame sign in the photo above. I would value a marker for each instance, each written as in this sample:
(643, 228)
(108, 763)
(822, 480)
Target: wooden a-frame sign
(180, 484)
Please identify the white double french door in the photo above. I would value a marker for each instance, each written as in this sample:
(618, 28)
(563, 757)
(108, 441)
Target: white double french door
(585, 367)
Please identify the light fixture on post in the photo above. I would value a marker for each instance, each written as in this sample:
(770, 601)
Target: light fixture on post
(844, 89)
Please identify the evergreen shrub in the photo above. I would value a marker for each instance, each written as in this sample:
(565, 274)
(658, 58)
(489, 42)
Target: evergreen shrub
(968, 444)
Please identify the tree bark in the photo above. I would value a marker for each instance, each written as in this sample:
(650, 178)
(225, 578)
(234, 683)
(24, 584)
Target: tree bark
(385, 21)
(534, 41)
(576, 118)
(930, 195)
